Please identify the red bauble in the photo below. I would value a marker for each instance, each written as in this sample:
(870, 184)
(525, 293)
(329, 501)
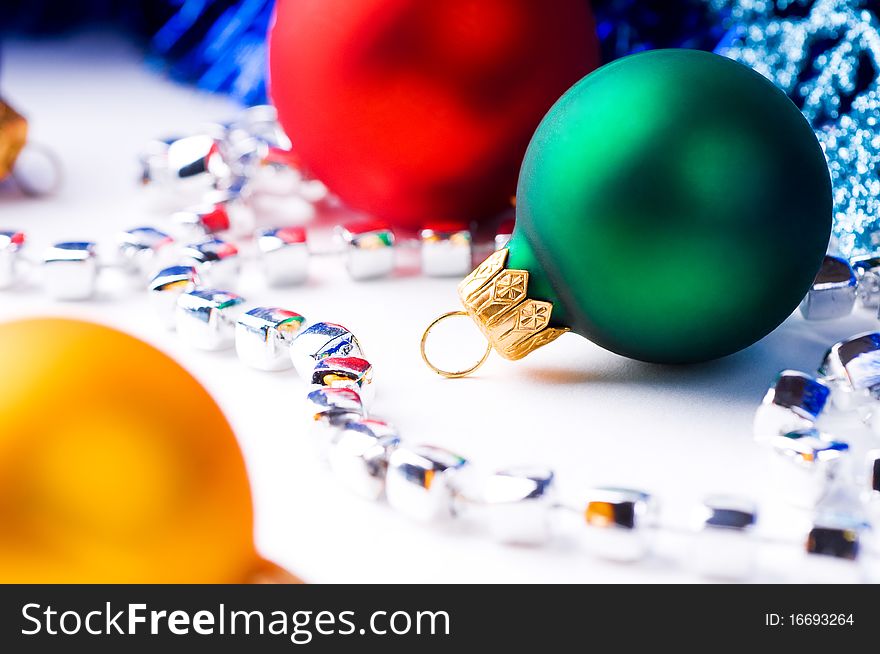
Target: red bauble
(414, 110)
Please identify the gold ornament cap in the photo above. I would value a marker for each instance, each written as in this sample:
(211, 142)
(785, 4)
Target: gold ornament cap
(13, 134)
(497, 300)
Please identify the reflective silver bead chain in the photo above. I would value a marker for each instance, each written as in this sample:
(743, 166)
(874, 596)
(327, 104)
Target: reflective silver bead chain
(823, 428)
(837, 480)
(520, 505)
(213, 185)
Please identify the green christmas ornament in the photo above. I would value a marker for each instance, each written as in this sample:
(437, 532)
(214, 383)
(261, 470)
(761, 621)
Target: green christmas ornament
(673, 206)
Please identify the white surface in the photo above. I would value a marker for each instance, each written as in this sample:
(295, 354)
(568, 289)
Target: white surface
(594, 417)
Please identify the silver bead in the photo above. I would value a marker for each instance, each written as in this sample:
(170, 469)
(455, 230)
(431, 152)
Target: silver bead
(867, 271)
(196, 161)
(369, 250)
(166, 286)
(284, 255)
(242, 150)
(263, 337)
(70, 270)
(359, 457)
(804, 463)
(345, 372)
(206, 318)
(10, 246)
(420, 482)
(240, 216)
(275, 178)
(328, 411)
(616, 523)
(154, 162)
(854, 363)
(446, 251)
(143, 249)
(314, 190)
(261, 122)
(37, 170)
(221, 211)
(794, 401)
(833, 293)
(277, 173)
(319, 341)
(324, 431)
(503, 234)
(833, 549)
(217, 261)
(515, 505)
(200, 221)
(724, 546)
(325, 401)
(809, 447)
(835, 536)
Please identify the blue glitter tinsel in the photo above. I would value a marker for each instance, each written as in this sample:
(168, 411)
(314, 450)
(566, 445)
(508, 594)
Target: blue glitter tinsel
(826, 55)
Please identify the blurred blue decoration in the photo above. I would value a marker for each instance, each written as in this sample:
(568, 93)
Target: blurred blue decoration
(36, 17)
(628, 26)
(220, 45)
(826, 55)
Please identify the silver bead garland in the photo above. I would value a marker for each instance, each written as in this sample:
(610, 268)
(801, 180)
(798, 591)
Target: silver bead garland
(519, 506)
(815, 468)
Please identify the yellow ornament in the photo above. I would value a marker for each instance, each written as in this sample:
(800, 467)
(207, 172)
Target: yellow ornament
(116, 466)
(13, 134)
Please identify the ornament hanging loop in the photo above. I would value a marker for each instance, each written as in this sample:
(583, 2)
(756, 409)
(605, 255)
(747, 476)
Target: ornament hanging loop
(447, 373)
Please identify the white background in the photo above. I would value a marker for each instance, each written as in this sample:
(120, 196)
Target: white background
(594, 417)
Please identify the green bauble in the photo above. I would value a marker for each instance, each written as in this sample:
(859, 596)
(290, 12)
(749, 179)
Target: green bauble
(674, 206)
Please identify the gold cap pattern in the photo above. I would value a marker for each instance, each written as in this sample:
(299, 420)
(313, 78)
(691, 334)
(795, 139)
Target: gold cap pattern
(497, 299)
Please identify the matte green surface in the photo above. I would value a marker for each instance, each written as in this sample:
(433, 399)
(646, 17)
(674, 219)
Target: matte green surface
(674, 206)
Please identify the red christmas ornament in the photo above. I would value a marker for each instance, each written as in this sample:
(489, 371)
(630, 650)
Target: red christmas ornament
(414, 110)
